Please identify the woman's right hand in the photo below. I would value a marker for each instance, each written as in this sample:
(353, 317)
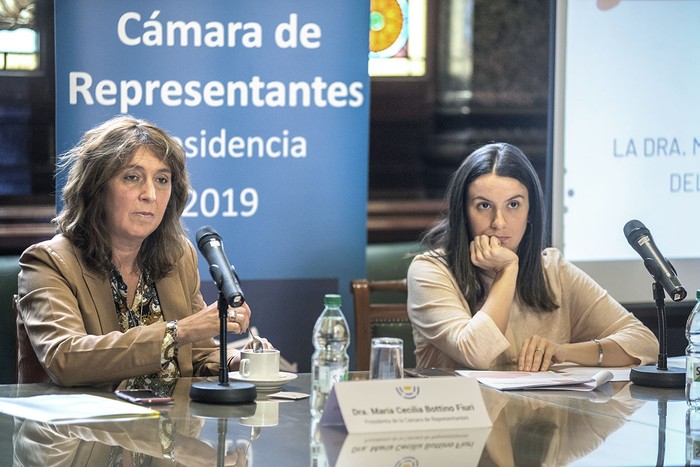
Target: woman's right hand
(501, 264)
(205, 323)
(487, 253)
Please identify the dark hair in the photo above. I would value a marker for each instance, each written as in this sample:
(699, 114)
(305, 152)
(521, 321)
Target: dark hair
(452, 234)
(102, 153)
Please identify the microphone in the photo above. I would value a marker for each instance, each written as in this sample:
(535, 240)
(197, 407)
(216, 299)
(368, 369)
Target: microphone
(230, 294)
(659, 267)
(224, 275)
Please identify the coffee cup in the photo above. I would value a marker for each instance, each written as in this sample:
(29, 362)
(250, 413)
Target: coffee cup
(260, 365)
(266, 414)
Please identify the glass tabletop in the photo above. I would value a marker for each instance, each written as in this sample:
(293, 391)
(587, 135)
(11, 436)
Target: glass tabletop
(619, 424)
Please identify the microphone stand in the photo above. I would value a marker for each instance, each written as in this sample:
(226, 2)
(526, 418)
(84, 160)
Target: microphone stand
(222, 307)
(222, 416)
(222, 428)
(659, 375)
(645, 394)
(222, 392)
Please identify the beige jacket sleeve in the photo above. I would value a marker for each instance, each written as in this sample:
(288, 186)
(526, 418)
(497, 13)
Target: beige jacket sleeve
(445, 332)
(72, 323)
(594, 313)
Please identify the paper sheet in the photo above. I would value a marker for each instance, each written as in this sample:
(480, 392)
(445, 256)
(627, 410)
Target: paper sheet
(72, 408)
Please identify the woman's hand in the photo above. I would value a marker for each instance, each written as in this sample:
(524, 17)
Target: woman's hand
(586, 353)
(266, 344)
(205, 323)
(488, 254)
(238, 319)
(538, 354)
(235, 360)
(500, 264)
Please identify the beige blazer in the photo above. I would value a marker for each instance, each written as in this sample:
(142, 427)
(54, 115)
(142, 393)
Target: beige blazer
(72, 324)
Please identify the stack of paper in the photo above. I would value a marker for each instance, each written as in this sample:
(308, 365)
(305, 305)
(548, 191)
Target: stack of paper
(72, 408)
(511, 380)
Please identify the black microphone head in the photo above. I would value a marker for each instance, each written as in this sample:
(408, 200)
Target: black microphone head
(203, 235)
(633, 230)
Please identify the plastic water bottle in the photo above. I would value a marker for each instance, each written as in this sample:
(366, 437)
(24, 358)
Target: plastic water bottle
(318, 450)
(692, 436)
(330, 361)
(692, 356)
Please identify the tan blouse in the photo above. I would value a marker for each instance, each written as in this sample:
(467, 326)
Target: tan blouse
(449, 334)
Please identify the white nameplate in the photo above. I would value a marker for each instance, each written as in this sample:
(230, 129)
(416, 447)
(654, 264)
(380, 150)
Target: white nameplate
(410, 448)
(409, 404)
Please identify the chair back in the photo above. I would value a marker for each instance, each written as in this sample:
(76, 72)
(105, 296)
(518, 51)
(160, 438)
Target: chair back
(380, 319)
(9, 269)
(29, 370)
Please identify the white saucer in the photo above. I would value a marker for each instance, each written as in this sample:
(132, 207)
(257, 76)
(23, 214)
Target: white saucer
(265, 384)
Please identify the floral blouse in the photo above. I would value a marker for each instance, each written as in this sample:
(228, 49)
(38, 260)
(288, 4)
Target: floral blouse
(146, 310)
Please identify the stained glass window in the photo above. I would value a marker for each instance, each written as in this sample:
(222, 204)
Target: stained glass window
(397, 37)
(19, 42)
(19, 50)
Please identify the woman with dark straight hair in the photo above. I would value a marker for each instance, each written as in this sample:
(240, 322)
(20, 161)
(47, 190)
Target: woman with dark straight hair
(488, 294)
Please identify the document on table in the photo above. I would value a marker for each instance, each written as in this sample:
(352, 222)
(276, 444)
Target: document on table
(571, 369)
(619, 373)
(72, 408)
(514, 380)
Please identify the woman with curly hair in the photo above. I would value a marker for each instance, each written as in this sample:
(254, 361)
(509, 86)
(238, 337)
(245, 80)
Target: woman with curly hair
(116, 294)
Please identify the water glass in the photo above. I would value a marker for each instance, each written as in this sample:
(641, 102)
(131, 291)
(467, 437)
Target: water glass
(386, 358)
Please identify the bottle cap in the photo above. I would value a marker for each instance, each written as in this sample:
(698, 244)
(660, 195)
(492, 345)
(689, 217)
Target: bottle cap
(332, 299)
(697, 294)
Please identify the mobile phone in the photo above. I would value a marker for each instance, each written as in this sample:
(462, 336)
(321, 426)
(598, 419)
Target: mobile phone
(142, 396)
(427, 372)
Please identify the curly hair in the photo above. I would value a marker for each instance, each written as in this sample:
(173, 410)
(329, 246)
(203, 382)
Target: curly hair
(452, 234)
(102, 153)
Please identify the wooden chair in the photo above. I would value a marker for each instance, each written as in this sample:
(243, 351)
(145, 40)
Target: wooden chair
(9, 269)
(380, 319)
(29, 370)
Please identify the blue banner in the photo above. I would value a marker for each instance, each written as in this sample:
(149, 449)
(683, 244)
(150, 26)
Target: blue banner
(271, 103)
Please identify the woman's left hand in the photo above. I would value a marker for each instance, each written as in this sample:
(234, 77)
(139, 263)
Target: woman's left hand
(206, 323)
(537, 354)
(265, 342)
(235, 360)
(238, 319)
